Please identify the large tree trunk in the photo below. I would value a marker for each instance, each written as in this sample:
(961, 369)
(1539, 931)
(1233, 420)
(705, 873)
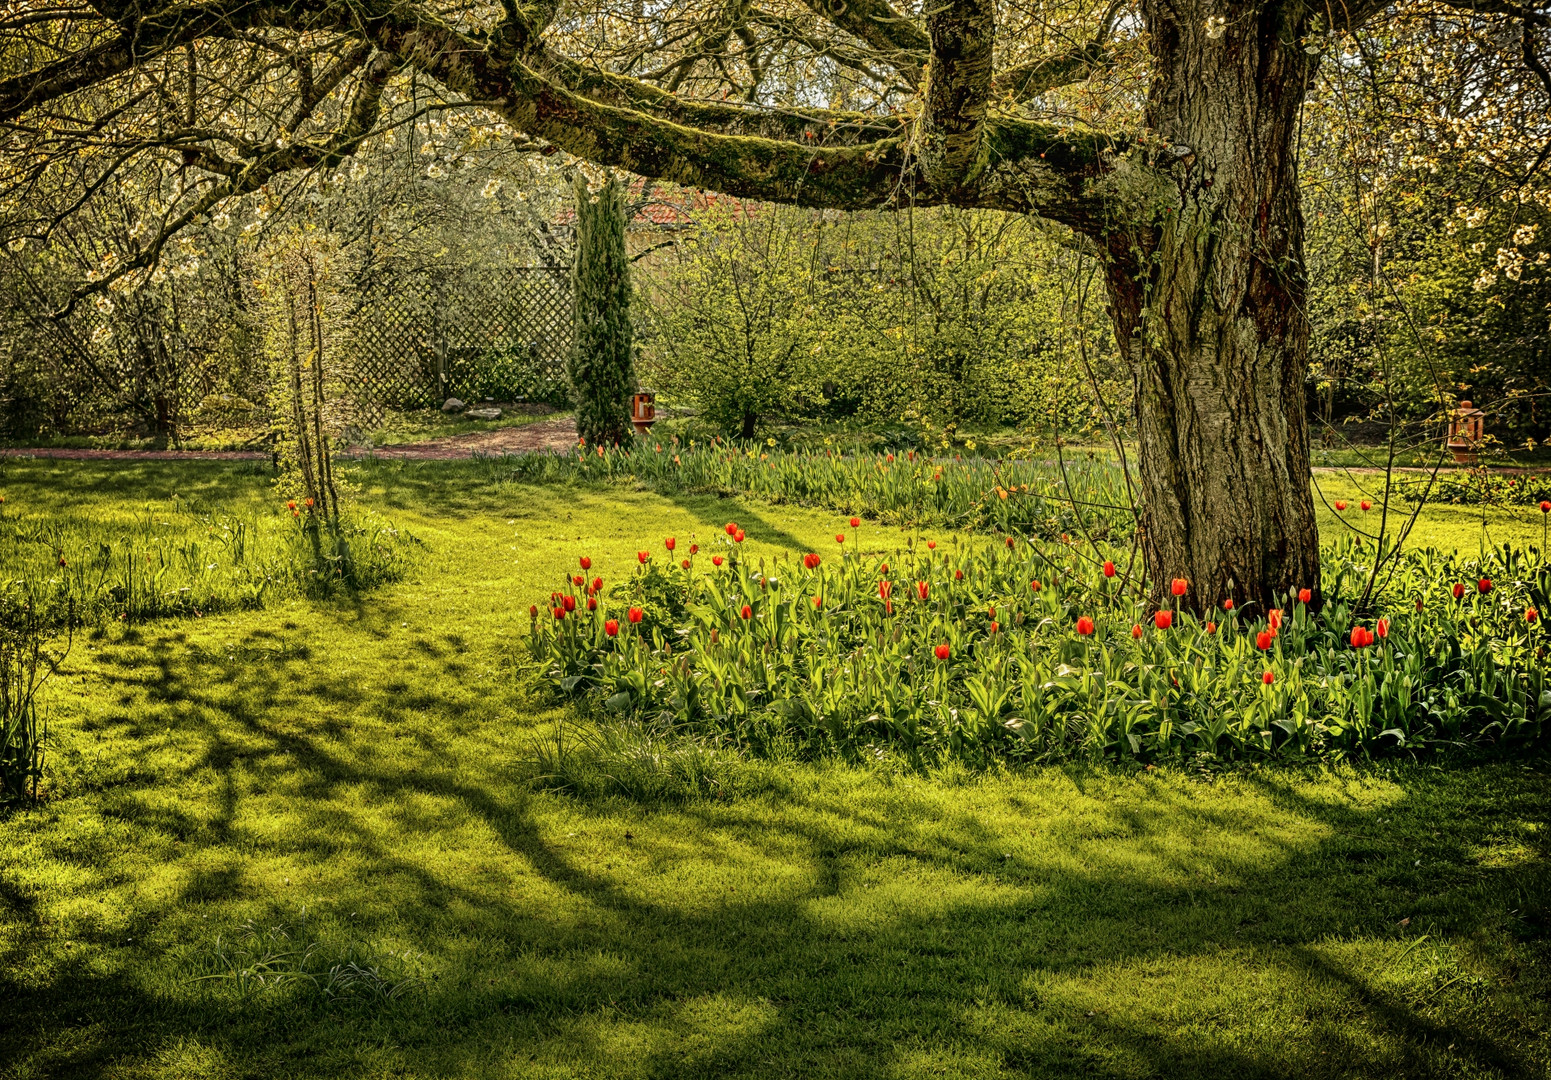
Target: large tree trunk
(1208, 301)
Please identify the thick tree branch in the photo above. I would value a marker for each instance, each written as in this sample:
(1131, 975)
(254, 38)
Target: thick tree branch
(958, 83)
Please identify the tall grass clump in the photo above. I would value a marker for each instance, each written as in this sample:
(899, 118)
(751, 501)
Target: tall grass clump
(1041, 498)
(182, 558)
(26, 662)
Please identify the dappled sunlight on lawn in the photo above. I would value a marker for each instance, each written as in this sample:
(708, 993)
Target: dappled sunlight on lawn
(362, 762)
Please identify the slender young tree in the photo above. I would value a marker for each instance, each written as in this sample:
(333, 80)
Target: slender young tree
(601, 367)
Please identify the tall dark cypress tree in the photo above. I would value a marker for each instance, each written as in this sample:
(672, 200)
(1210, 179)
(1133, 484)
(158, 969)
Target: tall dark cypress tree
(601, 367)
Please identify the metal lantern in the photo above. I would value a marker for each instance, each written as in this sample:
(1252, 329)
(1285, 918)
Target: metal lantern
(1465, 432)
(643, 411)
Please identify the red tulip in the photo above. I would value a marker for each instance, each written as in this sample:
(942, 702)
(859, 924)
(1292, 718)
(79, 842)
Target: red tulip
(1340, 505)
(1382, 628)
(578, 580)
(922, 589)
(1459, 590)
(1163, 620)
(1211, 627)
(1227, 605)
(818, 601)
(559, 613)
(586, 563)
(1109, 569)
(732, 527)
(568, 602)
(309, 504)
(931, 545)
(670, 543)
(996, 627)
(592, 603)
(291, 505)
(1361, 637)
(884, 589)
(737, 537)
(942, 651)
(643, 556)
(1268, 677)
(1531, 615)
(716, 560)
(1011, 542)
(811, 560)
(533, 611)
(958, 575)
(1179, 586)
(1545, 506)
(1035, 586)
(1263, 640)
(694, 549)
(883, 568)
(1085, 626)
(1305, 595)
(597, 584)
(685, 564)
(856, 523)
(1419, 603)
(746, 611)
(1366, 505)
(840, 538)
(634, 615)
(1136, 631)
(1484, 586)
(1274, 619)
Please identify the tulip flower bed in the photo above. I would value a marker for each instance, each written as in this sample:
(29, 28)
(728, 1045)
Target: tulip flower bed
(1020, 650)
(909, 488)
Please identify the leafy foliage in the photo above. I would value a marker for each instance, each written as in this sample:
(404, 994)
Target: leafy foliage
(766, 314)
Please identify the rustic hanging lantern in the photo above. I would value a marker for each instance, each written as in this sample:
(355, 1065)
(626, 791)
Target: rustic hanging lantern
(643, 411)
(1465, 432)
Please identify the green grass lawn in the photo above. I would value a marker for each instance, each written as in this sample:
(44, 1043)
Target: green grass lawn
(354, 773)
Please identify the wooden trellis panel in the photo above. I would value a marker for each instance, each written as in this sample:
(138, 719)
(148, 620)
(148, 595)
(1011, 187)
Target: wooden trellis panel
(419, 339)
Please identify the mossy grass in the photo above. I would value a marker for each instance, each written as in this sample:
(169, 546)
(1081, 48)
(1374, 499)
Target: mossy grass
(368, 760)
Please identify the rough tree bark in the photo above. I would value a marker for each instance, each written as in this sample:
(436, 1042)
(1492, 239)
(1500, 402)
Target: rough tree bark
(1208, 300)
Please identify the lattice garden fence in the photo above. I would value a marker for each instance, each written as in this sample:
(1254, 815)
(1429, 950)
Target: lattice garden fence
(470, 333)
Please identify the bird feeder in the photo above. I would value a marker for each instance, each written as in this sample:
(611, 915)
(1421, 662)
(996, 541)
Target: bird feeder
(1465, 433)
(643, 411)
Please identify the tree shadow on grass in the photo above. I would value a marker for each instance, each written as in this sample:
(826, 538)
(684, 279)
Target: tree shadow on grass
(715, 512)
(873, 932)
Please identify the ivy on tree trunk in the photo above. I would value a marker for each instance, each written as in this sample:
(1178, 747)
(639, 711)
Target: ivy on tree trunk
(601, 367)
